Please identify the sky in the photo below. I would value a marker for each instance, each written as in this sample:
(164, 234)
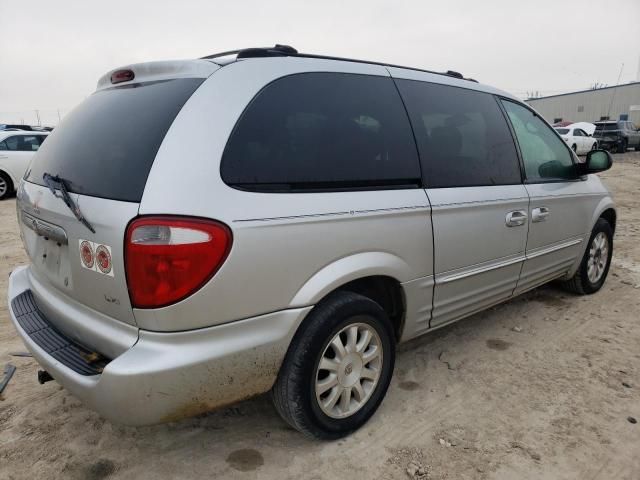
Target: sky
(52, 53)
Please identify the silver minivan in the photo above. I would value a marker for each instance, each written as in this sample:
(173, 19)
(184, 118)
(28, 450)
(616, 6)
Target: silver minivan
(263, 220)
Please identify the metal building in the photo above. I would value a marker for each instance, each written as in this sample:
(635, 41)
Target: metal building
(621, 102)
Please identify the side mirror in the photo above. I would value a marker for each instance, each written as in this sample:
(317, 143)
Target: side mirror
(597, 161)
(555, 169)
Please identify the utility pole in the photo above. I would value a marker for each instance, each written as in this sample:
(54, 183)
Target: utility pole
(38, 116)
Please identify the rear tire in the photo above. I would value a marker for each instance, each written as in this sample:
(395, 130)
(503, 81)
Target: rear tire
(621, 147)
(595, 263)
(314, 399)
(6, 186)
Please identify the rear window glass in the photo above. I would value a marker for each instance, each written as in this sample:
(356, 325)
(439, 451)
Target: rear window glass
(106, 146)
(323, 131)
(607, 126)
(562, 131)
(22, 143)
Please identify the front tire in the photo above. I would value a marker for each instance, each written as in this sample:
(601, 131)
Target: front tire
(596, 261)
(338, 367)
(6, 186)
(622, 147)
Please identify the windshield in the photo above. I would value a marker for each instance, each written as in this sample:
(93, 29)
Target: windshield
(562, 131)
(107, 145)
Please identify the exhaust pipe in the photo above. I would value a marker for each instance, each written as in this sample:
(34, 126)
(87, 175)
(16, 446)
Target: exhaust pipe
(44, 377)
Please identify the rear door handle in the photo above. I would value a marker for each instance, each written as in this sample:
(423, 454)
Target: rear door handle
(516, 218)
(539, 214)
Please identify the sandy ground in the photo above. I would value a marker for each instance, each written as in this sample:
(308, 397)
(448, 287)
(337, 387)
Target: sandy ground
(531, 389)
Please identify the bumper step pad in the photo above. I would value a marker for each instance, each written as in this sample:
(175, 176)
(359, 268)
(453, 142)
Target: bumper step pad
(52, 341)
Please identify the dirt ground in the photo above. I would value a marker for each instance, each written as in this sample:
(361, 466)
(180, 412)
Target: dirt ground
(540, 387)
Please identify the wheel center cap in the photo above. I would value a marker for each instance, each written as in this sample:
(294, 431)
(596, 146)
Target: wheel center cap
(350, 370)
(598, 254)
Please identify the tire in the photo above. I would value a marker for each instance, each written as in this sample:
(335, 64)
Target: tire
(581, 283)
(6, 186)
(294, 393)
(621, 147)
(594, 146)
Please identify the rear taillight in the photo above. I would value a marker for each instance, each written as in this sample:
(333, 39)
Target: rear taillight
(169, 258)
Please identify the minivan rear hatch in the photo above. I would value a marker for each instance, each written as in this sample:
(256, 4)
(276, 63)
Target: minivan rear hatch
(101, 153)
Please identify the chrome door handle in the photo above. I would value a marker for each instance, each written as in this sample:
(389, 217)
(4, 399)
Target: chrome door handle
(539, 214)
(516, 218)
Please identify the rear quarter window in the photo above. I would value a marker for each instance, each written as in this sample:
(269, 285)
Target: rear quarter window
(107, 145)
(322, 131)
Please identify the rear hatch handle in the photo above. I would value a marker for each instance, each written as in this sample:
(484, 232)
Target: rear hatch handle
(44, 229)
(57, 183)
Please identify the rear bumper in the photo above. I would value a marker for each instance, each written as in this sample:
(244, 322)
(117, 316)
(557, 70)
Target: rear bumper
(167, 376)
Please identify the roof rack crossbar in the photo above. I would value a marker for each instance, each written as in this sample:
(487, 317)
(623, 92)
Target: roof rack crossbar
(277, 51)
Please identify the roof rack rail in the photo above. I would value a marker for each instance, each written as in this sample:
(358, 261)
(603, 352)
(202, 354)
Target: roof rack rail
(276, 51)
(221, 54)
(288, 51)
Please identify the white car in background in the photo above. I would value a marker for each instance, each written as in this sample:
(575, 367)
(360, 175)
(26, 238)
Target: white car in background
(578, 137)
(16, 150)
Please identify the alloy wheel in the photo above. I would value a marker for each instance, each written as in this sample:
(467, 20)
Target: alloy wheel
(349, 370)
(598, 257)
(3, 187)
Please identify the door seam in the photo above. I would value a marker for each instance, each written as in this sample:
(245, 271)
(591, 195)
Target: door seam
(526, 242)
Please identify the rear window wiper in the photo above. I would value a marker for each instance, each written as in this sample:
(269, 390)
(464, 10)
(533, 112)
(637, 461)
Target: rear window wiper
(57, 183)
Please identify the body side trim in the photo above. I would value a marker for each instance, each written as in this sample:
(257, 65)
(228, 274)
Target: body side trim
(334, 214)
(447, 277)
(477, 202)
(552, 248)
